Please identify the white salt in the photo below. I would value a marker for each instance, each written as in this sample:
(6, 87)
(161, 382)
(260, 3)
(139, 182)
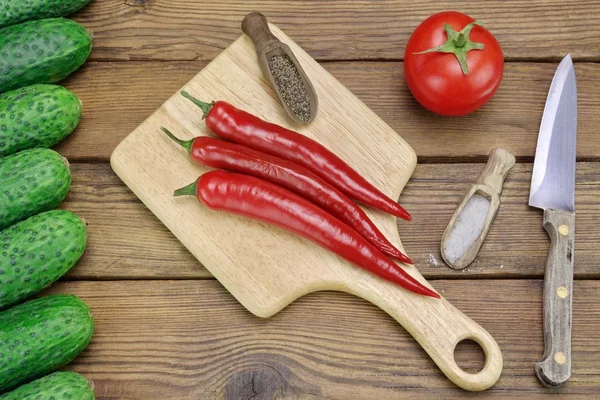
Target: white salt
(433, 261)
(467, 228)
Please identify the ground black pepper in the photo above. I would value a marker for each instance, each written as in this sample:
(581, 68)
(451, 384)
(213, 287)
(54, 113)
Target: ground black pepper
(290, 85)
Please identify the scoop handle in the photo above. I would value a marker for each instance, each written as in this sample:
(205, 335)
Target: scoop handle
(500, 161)
(255, 25)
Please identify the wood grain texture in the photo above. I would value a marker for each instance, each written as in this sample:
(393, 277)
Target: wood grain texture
(499, 163)
(127, 242)
(194, 115)
(264, 267)
(124, 239)
(489, 186)
(189, 339)
(117, 97)
(376, 29)
(554, 368)
(184, 340)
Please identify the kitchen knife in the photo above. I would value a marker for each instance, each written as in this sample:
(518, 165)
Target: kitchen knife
(553, 190)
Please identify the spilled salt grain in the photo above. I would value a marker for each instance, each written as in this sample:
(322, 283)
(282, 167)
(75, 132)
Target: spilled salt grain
(433, 261)
(467, 228)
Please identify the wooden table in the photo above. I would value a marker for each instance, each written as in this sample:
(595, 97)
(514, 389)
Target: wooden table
(165, 329)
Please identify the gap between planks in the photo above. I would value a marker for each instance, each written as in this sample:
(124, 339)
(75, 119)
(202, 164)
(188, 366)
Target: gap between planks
(534, 60)
(210, 278)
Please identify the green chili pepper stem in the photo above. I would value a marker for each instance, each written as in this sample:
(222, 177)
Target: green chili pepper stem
(204, 106)
(459, 44)
(189, 190)
(186, 144)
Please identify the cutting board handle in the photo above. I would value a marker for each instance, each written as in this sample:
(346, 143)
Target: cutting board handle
(438, 327)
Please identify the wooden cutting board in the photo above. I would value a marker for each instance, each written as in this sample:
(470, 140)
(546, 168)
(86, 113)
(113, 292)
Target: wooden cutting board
(266, 268)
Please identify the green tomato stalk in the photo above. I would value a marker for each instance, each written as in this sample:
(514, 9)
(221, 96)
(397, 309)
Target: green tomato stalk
(459, 44)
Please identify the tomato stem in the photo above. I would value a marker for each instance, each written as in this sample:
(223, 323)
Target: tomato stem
(459, 44)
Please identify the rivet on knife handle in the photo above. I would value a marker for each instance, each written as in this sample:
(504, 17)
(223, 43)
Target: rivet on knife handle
(472, 219)
(554, 369)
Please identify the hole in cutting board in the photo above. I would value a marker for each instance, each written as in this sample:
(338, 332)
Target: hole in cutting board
(469, 356)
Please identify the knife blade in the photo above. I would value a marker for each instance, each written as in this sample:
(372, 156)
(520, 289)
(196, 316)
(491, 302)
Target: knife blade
(553, 190)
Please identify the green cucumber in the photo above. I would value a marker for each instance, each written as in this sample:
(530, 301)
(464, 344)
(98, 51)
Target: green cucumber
(36, 116)
(17, 11)
(40, 336)
(56, 386)
(36, 252)
(31, 181)
(43, 51)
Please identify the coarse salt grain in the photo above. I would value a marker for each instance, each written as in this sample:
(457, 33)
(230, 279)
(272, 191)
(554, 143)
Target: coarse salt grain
(433, 261)
(469, 224)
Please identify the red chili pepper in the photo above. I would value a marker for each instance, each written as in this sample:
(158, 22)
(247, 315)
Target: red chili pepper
(241, 127)
(265, 201)
(218, 153)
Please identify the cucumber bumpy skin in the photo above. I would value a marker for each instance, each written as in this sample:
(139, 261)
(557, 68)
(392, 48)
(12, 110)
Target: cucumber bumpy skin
(43, 51)
(17, 11)
(56, 386)
(31, 182)
(36, 116)
(36, 252)
(40, 336)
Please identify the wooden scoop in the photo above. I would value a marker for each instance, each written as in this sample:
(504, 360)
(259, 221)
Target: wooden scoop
(255, 25)
(485, 192)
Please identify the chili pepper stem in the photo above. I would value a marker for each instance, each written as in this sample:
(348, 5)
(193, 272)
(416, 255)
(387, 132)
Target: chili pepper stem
(205, 107)
(189, 190)
(186, 144)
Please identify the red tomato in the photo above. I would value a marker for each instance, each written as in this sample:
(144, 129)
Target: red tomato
(436, 79)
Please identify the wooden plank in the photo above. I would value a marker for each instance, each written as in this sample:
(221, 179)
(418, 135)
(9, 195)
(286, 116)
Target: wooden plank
(127, 241)
(124, 238)
(190, 339)
(199, 30)
(117, 97)
(511, 119)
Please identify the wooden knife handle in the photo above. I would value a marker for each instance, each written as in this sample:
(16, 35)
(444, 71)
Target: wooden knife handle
(554, 369)
(255, 25)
